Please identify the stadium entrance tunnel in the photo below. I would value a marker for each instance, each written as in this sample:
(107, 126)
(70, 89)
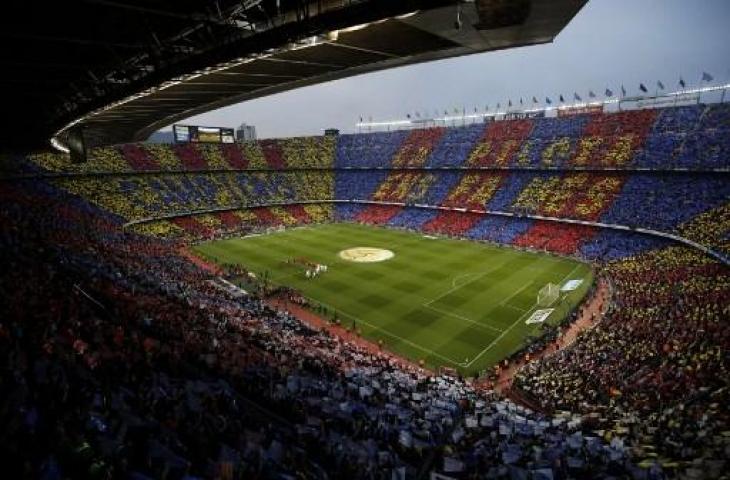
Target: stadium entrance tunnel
(366, 254)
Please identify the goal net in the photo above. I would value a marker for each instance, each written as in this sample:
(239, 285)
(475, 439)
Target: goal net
(548, 295)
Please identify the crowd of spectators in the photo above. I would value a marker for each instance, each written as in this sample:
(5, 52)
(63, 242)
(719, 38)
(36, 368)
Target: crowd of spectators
(277, 154)
(686, 137)
(660, 353)
(121, 359)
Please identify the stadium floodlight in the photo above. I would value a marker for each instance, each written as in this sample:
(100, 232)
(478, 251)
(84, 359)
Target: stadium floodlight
(548, 295)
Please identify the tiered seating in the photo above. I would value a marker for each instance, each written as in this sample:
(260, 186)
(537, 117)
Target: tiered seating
(347, 212)
(273, 154)
(555, 237)
(707, 146)
(609, 244)
(499, 144)
(664, 201)
(266, 217)
(123, 360)
(664, 144)
(659, 350)
(193, 227)
(235, 156)
(311, 152)
(403, 185)
(454, 146)
(319, 213)
(552, 141)
(298, 213)
(711, 229)
(474, 190)
(190, 157)
(412, 218)
(694, 137)
(368, 150)
(377, 214)
(572, 195)
(453, 223)
(611, 140)
(503, 230)
(139, 158)
(358, 185)
(141, 196)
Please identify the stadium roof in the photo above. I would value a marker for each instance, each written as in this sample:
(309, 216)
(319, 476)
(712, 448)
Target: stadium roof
(121, 69)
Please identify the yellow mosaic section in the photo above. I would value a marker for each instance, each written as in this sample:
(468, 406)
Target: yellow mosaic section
(213, 157)
(711, 229)
(313, 152)
(320, 212)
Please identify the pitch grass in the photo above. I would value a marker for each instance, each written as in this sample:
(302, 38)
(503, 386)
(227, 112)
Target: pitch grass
(453, 303)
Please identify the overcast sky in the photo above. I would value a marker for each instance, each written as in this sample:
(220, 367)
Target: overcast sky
(609, 43)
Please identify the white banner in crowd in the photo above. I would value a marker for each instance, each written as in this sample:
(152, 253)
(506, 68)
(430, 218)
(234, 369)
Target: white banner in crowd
(539, 316)
(571, 285)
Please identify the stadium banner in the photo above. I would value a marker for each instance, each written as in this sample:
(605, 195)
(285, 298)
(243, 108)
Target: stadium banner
(523, 115)
(663, 101)
(539, 316)
(587, 109)
(571, 285)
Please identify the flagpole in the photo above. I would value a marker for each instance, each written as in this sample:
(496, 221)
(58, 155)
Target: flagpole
(699, 89)
(621, 98)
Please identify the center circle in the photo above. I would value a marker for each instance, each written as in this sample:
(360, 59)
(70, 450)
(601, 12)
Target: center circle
(366, 254)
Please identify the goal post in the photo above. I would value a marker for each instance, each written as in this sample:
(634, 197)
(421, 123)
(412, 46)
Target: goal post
(548, 295)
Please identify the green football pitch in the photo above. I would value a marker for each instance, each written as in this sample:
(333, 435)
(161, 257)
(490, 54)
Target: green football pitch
(453, 303)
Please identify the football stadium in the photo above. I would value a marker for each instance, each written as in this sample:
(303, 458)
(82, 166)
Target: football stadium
(403, 291)
(533, 288)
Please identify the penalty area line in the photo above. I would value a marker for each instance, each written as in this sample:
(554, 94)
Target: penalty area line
(460, 317)
(494, 342)
(380, 329)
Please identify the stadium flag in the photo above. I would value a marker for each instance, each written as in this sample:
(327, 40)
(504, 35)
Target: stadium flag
(706, 77)
(577, 97)
(520, 100)
(499, 105)
(446, 112)
(623, 91)
(681, 82)
(609, 93)
(534, 99)
(591, 94)
(548, 101)
(486, 108)
(360, 119)
(509, 103)
(476, 109)
(660, 85)
(408, 115)
(642, 87)
(561, 98)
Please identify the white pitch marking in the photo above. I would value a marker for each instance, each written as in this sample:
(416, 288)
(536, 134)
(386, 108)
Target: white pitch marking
(404, 340)
(514, 324)
(456, 315)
